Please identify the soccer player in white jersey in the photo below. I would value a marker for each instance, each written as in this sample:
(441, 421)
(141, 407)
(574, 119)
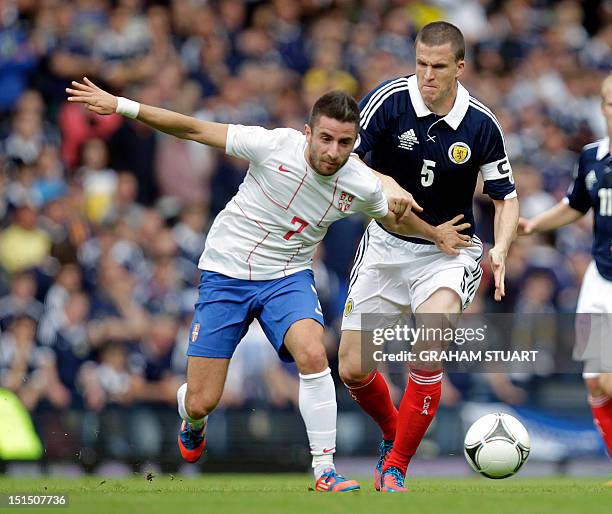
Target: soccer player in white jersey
(428, 133)
(592, 188)
(258, 254)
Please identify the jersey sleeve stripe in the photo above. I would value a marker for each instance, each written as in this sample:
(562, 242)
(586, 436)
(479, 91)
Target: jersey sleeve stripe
(478, 106)
(374, 98)
(365, 119)
(365, 122)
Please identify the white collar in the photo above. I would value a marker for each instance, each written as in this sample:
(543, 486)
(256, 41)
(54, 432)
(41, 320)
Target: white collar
(603, 149)
(455, 115)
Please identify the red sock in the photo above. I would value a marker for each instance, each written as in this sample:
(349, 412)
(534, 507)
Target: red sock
(601, 407)
(416, 412)
(374, 398)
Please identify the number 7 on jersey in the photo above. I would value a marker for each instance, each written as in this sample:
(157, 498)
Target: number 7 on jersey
(303, 224)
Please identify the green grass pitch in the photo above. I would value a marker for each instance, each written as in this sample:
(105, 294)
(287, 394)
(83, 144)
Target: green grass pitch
(254, 494)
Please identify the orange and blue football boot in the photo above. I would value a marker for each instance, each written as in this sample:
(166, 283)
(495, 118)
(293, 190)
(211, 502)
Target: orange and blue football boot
(392, 481)
(191, 442)
(331, 482)
(384, 450)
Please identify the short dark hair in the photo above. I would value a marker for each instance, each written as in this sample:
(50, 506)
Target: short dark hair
(337, 105)
(439, 33)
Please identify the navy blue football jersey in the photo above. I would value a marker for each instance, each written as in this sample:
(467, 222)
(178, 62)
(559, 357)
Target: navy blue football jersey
(592, 187)
(436, 158)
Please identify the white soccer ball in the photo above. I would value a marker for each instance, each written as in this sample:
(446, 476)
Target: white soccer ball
(497, 445)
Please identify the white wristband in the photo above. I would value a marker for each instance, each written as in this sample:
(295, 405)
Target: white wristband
(127, 107)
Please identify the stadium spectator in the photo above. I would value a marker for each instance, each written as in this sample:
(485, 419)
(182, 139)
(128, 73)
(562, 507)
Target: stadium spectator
(99, 181)
(121, 49)
(28, 136)
(17, 59)
(67, 333)
(21, 300)
(67, 282)
(28, 370)
(22, 244)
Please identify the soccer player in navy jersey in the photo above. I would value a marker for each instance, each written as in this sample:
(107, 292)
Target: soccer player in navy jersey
(592, 188)
(434, 138)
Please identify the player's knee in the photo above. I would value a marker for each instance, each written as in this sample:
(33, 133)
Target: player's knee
(594, 387)
(311, 358)
(424, 365)
(200, 405)
(605, 384)
(351, 374)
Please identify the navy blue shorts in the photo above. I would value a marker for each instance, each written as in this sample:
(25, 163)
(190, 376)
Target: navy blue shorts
(226, 307)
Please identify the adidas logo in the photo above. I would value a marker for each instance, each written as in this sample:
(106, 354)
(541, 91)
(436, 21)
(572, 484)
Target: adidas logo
(407, 140)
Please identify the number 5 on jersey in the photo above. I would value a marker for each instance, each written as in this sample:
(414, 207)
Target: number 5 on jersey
(427, 172)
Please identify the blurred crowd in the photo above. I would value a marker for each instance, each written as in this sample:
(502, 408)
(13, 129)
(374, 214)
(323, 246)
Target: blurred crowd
(102, 220)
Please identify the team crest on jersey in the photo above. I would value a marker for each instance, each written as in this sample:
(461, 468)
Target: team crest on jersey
(195, 332)
(348, 307)
(459, 152)
(344, 202)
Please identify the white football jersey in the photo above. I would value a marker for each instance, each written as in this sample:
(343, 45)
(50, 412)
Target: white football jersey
(283, 209)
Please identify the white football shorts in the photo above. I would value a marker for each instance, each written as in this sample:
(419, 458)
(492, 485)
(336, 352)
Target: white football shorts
(593, 341)
(391, 276)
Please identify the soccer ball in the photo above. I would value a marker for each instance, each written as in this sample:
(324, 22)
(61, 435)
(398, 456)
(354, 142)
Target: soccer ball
(497, 445)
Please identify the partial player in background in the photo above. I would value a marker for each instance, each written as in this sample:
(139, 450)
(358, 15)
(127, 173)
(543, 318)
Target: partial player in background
(258, 254)
(592, 188)
(428, 133)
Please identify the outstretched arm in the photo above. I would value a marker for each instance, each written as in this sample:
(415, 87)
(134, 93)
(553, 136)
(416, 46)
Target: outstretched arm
(447, 236)
(555, 217)
(185, 127)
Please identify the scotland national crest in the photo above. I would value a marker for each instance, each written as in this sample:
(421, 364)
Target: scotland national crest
(348, 307)
(459, 152)
(344, 202)
(195, 332)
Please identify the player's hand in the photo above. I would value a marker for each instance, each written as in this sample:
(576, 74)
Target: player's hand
(498, 265)
(448, 237)
(401, 202)
(97, 100)
(524, 227)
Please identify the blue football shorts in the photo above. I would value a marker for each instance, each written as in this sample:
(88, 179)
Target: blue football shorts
(226, 307)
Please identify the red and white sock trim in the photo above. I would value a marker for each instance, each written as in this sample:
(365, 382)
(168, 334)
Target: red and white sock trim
(424, 379)
(598, 401)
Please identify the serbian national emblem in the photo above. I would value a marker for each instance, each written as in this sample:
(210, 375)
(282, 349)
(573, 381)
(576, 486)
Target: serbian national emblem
(344, 202)
(194, 332)
(459, 152)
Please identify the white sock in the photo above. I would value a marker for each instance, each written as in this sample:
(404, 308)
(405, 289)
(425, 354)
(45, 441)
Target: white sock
(196, 424)
(319, 411)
